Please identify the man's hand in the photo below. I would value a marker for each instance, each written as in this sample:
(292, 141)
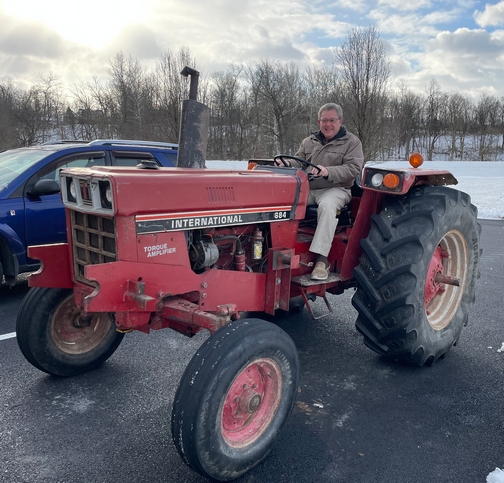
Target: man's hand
(323, 171)
(282, 162)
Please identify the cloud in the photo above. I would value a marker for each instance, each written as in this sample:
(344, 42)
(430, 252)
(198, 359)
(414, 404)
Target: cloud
(356, 5)
(226, 31)
(405, 4)
(440, 17)
(492, 15)
(471, 61)
(411, 27)
(138, 41)
(423, 37)
(30, 39)
(399, 66)
(476, 45)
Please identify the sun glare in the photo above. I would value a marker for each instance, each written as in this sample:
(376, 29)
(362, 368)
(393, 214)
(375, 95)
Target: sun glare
(93, 23)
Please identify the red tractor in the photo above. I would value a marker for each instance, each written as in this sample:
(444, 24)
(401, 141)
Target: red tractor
(193, 249)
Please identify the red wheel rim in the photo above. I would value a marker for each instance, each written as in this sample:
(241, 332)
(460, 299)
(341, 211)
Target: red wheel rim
(449, 262)
(72, 339)
(432, 288)
(251, 402)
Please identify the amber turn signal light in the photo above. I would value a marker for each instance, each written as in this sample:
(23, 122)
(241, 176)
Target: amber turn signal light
(416, 160)
(391, 181)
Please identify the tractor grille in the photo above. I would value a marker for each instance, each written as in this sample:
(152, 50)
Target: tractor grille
(94, 241)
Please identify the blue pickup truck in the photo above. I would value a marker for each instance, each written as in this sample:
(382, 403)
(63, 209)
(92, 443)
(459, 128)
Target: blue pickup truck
(31, 210)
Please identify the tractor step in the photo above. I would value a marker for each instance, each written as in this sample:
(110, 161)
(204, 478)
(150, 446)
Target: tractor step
(306, 281)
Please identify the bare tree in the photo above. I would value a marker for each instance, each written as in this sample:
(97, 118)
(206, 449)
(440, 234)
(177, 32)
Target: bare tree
(485, 120)
(405, 121)
(277, 90)
(321, 86)
(501, 122)
(128, 87)
(258, 110)
(226, 120)
(8, 95)
(364, 73)
(91, 115)
(50, 106)
(170, 89)
(435, 115)
(459, 121)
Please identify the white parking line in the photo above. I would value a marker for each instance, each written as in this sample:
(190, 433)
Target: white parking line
(7, 336)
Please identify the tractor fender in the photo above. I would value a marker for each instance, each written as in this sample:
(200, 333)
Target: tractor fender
(408, 178)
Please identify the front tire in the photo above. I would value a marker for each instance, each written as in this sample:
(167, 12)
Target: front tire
(418, 246)
(50, 339)
(234, 398)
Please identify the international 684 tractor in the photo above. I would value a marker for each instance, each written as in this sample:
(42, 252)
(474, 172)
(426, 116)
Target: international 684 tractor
(192, 249)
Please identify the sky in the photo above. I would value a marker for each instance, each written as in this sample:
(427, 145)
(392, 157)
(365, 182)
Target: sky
(460, 43)
(481, 180)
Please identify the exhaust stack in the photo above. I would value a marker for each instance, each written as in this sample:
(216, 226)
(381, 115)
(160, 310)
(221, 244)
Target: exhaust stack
(194, 125)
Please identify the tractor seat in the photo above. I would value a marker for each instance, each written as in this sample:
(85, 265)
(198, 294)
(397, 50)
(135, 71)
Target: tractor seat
(344, 213)
(311, 210)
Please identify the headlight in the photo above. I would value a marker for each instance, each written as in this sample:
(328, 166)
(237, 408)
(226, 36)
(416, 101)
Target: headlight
(383, 180)
(71, 190)
(377, 180)
(106, 196)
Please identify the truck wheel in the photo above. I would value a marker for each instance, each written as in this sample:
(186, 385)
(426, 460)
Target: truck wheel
(234, 398)
(418, 247)
(50, 339)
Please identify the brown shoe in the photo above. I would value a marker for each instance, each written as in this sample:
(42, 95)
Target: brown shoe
(320, 272)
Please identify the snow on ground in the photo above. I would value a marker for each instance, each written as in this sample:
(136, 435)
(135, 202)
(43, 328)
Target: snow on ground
(482, 180)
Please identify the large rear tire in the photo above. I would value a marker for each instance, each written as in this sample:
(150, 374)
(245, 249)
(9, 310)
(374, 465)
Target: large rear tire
(234, 398)
(418, 246)
(50, 338)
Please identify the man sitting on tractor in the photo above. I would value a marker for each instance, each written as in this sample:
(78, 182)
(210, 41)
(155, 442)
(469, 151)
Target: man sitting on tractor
(339, 159)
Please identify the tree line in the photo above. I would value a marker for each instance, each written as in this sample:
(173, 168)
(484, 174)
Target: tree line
(261, 109)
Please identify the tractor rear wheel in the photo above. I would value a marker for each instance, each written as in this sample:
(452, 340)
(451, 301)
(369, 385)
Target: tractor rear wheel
(417, 274)
(53, 339)
(234, 398)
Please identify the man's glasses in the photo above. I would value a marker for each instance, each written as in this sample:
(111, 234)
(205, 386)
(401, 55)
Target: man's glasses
(332, 120)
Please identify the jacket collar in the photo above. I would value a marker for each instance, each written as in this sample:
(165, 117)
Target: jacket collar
(342, 132)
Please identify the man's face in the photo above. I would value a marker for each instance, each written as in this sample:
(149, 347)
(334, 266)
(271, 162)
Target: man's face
(329, 123)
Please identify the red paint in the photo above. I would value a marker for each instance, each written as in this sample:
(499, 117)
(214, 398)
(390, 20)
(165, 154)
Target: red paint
(251, 403)
(432, 287)
(55, 270)
(152, 285)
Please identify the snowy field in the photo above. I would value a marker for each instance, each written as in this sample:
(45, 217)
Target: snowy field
(483, 181)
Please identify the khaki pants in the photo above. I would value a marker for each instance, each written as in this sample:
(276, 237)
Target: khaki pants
(329, 201)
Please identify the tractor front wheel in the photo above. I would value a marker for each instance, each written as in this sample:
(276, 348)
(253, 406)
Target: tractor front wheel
(234, 398)
(53, 337)
(417, 274)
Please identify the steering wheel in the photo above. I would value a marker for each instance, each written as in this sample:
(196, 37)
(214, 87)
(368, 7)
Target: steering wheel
(305, 163)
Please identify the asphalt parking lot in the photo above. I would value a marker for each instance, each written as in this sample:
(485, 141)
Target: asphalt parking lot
(358, 418)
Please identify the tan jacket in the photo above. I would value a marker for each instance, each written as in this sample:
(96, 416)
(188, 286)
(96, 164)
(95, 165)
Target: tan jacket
(343, 158)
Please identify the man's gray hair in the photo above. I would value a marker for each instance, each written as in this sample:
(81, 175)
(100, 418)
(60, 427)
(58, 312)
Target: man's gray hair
(329, 107)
